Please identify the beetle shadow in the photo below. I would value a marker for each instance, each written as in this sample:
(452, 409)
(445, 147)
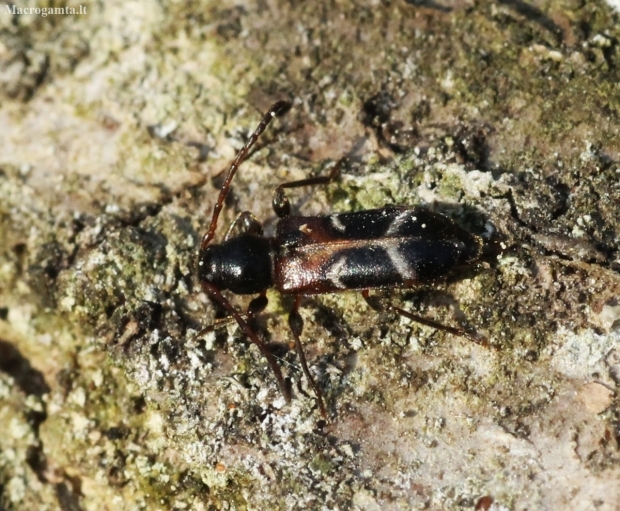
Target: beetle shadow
(28, 379)
(426, 298)
(466, 216)
(429, 4)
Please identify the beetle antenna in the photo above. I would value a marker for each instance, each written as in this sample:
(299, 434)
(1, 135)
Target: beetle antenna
(277, 108)
(215, 293)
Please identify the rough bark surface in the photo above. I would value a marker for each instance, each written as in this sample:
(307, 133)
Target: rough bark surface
(115, 127)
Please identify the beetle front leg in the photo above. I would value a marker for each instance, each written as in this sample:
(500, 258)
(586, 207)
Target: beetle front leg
(255, 307)
(247, 223)
(280, 202)
(296, 323)
(380, 305)
(218, 297)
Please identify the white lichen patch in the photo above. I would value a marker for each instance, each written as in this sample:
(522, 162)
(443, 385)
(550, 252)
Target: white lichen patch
(609, 318)
(20, 430)
(580, 355)
(77, 397)
(81, 425)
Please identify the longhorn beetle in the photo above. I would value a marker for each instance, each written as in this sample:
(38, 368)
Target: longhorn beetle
(394, 246)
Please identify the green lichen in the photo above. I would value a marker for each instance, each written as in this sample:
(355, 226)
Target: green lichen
(422, 101)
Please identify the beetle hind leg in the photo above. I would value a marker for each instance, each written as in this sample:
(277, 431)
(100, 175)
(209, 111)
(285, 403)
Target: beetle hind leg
(381, 305)
(296, 324)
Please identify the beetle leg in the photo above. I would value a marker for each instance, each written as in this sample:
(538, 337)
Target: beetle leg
(256, 306)
(296, 323)
(218, 323)
(380, 305)
(280, 202)
(216, 295)
(247, 223)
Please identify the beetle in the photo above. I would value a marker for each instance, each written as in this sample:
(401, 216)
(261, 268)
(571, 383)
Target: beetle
(389, 247)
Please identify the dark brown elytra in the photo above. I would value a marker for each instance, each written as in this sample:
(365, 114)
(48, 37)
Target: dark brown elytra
(390, 247)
